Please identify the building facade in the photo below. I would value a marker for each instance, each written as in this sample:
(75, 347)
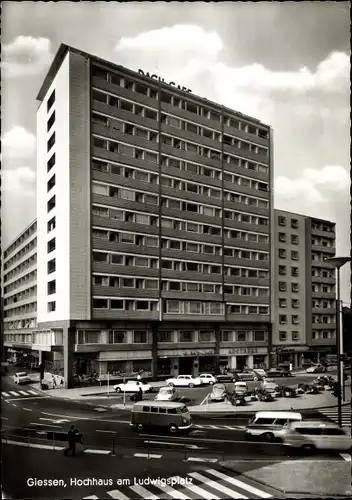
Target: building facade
(154, 220)
(20, 294)
(305, 324)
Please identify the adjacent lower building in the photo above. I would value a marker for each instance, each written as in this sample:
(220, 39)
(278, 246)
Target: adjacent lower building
(305, 324)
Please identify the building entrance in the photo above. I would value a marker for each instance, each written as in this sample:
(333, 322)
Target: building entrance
(241, 362)
(185, 366)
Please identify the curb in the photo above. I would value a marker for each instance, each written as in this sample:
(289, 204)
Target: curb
(280, 490)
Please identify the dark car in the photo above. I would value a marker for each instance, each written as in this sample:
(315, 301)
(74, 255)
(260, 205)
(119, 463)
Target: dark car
(279, 372)
(226, 377)
(248, 376)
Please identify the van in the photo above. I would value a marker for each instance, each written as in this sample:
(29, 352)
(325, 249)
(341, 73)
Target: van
(270, 425)
(317, 435)
(160, 414)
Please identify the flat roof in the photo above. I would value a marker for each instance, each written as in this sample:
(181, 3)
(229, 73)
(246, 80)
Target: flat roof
(64, 49)
(19, 235)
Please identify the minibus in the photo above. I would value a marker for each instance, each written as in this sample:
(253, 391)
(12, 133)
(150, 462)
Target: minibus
(168, 415)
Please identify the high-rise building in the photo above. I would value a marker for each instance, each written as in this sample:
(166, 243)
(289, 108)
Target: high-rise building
(305, 325)
(153, 224)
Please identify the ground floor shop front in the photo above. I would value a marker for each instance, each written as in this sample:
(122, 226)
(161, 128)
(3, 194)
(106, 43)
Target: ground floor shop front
(301, 356)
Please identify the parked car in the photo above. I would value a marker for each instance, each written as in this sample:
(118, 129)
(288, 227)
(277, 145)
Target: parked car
(207, 378)
(167, 394)
(248, 376)
(309, 436)
(218, 393)
(225, 377)
(21, 378)
(241, 389)
(183, 381)
(270, 385)
(279, 372)
(133, 386)
(317, 369)
(262, 373)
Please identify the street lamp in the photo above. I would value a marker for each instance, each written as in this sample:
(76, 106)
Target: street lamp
(338, 262)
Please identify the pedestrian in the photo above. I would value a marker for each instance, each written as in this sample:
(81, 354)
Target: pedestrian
(54, 382)
(78, 440)
(71, 438)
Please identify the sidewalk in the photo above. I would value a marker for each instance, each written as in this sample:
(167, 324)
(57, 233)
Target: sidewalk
(302, 477)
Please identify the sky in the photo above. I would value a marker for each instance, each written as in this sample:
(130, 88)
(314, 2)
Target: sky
(285, 63)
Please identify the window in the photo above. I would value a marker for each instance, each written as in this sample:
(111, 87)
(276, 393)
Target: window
(282, 221)
(295, 319)
(294, 224)
(295, 303)
(206, 336)
(282, 303)
(295, 287)
(295, 335)
(51, 287)
(116, 304)
(227, 336)
(51, 121)
(195, 307)
(116, 337)
(51, 183)
(259, 336)
(51, 306)
(51, 101)
(51, 225)
(100, 189)
(282, 270)
(51, 204)
(294, 255)
(51, 266)
(186, 336)
(283, 319)
(282, 237)
(51, 245)
(140, 337)
(294, 239)
(165, 336)
(100, 257)
(294, 271)
(282, 253)
(51, 163)
(173, 306)
(241, 336)
(283, 336)
(100, 303)
(51, 142)
(142, 219)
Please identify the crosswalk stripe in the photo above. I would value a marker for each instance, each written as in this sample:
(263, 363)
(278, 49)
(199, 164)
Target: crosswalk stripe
(5, 394)
(228, 427)
(117, 495)
(143, 492)
(92, 497)
(24, 393)
(217, 486)
(173, 493)
(240, 484)
(201, 493)
(14, 393)
(33, 392)
(346, 456)
(98, 452)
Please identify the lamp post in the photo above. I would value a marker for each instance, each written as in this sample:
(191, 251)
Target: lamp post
(338, 262)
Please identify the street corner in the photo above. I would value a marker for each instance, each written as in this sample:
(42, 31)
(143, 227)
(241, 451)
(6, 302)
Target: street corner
(302, 477)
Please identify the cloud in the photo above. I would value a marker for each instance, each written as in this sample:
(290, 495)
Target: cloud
(191, 56)
(18, 182)
(314, 190)
(18, 143)
(26, 56)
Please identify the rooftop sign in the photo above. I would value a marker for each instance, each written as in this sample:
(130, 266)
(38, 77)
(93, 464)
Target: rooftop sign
(156, 77)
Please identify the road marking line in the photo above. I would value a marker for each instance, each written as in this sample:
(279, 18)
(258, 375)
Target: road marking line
(111, 432)
(172, 492)
(4, 418)
(32, 445)
(116, 494)
(13, 404)
(5, 394)
(229, 427)
(46, 425)
(236, 482)
(198, 459)
(27, 409)
(31, 397)
(224, 489)
(214, 427)
(145, 455)
(200, 426)
(14, 393)
(33, 392)
(24, 392)
(346, 456)
(99, 452)
(143, 492)
(100, 409)
(93, 497)
(201, 493)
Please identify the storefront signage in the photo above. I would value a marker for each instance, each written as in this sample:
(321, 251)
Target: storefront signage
(156, 77)
(198, 353)
(243, 350)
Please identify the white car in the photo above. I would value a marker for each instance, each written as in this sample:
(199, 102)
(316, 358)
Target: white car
(183, 381)
(207, 378)
(21, 378)
(133, 386)
(310, 436)
(167, 394)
